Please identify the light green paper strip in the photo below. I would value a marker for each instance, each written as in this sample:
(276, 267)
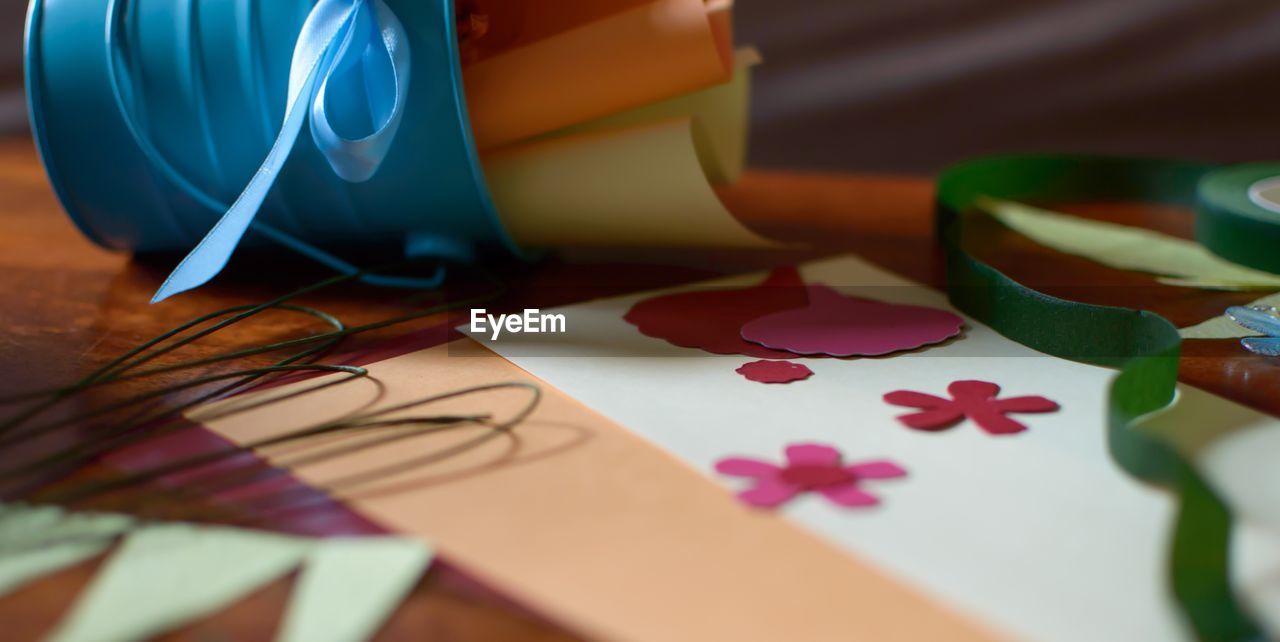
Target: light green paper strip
(350, 587)
(1129, 248)
(36, 541)
(166, 575)
(1132, 248)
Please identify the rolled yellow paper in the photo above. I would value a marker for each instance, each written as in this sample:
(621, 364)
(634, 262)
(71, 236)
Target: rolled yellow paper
(639, 186)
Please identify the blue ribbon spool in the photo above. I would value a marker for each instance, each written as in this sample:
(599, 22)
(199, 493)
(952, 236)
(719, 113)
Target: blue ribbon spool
(155, 118)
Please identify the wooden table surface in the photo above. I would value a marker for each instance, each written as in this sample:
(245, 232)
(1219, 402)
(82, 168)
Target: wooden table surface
(70, 306)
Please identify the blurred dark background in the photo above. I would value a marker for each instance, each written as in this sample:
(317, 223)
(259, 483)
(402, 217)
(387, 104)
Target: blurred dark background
(12, 109)
(911, 85)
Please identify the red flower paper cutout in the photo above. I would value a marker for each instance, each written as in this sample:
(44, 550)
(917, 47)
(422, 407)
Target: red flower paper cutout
(810, 468)
(975, 400)
(712, 320)
(774, 371)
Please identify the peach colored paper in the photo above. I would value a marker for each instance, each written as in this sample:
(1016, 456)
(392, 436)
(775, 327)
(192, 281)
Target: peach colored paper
(594, 526)
(642, 55)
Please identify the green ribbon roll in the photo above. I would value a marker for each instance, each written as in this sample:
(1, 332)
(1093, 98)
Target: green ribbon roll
(1231, 224)
(1143, 346)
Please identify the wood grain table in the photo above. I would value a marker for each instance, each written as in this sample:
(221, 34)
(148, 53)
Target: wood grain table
(69, 307)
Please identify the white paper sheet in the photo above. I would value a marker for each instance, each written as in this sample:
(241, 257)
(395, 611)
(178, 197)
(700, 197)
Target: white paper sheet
(1040, 533)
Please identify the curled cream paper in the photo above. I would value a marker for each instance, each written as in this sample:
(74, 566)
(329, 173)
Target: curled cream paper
(719, 114)
(642, 55)
(641, 186)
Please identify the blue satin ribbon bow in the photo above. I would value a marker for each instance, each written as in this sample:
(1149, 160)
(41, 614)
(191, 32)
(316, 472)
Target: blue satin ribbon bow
(343, 44)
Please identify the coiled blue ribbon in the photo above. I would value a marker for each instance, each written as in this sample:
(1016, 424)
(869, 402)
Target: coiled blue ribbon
(350, 73)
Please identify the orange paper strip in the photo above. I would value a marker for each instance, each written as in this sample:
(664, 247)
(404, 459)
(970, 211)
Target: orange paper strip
(508, 24)
(577, 517)
(645, 54)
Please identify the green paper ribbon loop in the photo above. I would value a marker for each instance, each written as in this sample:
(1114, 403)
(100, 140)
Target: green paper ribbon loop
(1142, 345)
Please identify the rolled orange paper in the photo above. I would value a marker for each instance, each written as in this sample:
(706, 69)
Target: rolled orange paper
(649, 53)
(508, 24)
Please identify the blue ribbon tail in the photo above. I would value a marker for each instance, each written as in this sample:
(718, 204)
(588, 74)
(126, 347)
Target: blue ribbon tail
(210, 256)
(338, 36)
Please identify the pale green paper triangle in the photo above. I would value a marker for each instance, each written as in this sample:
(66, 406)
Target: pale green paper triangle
(165, 575)
(36, 541)
(1131, 248)
(350, 586)
(1224, 328)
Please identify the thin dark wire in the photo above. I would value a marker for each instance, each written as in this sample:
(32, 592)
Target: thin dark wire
(121, 364)
(133, 434)
(114, 370)
(309, 496)
(369, 422)
(150, 420)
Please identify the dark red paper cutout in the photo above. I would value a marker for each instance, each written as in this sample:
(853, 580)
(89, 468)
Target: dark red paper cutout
(775, 371)
(712, 320)
(975, 400)
(843, 326)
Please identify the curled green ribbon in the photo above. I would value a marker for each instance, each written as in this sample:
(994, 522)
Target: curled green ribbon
(1143, 346)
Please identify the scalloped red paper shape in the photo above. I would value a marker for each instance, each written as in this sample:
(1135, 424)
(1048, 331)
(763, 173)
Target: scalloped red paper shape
(842, 326)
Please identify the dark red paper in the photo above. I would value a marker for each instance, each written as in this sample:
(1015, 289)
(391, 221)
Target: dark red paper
(975, 400)
(712, 320)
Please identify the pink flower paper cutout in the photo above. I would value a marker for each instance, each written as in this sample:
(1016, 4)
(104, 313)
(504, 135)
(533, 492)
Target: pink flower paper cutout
(810, 468)
(774, 371)
(975, 400)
